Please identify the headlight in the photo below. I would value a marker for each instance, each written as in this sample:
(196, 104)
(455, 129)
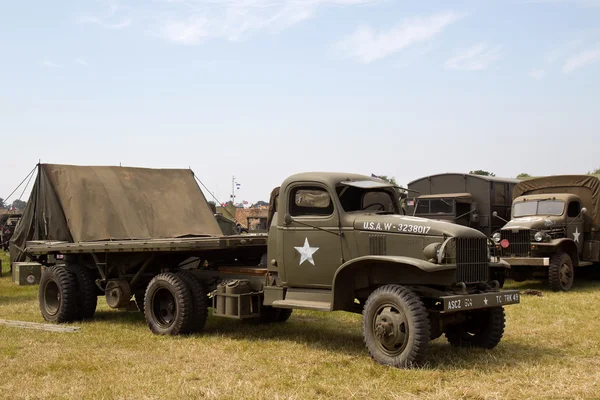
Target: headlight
(539, 236)
(496, 237)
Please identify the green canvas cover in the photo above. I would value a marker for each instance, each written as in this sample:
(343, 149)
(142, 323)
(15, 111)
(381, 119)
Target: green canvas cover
(587, 187)
(91, 203)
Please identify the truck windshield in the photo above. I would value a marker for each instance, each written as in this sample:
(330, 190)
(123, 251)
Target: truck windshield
(434, 206)
(541, 207)
(373, 200)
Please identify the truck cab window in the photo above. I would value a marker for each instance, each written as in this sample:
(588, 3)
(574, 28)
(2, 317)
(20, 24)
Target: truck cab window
(574, 209)
(310, 200)
(371, 200)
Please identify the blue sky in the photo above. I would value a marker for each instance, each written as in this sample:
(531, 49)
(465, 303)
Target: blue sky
(261, 89)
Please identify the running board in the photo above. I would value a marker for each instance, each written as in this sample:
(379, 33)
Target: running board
(303, 305)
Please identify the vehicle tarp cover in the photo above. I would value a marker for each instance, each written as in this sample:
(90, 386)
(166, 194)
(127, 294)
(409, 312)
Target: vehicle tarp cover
(91, 203)
(587, 187)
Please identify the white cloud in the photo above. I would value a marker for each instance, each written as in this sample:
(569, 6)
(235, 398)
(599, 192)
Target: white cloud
(50, 64)
(476, 58)
(368, 45)
(538, 74)
(82, 62)
(191, 21)
(114, 19)
(581, 60)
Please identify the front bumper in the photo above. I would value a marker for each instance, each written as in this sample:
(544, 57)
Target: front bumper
(527, 261)
(480, 301)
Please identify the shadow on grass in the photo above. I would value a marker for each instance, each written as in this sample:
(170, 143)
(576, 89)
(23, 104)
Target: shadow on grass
(17, 299)
(581, 284)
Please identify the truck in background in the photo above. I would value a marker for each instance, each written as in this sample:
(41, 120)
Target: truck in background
(465, 199)
(554, 228)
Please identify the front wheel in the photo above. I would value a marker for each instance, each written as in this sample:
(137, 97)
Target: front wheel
(168, 305)
(57, 295)
(396, 327)
(482, 328)
(561, 272)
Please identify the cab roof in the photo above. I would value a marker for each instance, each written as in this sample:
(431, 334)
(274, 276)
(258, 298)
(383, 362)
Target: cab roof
(331, 179)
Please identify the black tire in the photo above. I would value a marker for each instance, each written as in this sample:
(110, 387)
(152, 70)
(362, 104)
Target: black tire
(168, 305)
(483, 329)
(561, 272)
(87, 298)
(57, 295)
(396, 327)
(284, 314)
(269, 314)
(199, 300)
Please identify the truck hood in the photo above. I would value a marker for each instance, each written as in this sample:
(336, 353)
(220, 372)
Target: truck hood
(408, 225)
(535, 222)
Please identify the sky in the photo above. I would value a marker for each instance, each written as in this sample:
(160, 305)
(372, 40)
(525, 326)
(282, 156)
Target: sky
(262, 89)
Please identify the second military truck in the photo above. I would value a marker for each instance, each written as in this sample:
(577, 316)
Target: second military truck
(555, 228)
(335, 243)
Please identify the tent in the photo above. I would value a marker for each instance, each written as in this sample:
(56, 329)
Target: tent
(93, 203)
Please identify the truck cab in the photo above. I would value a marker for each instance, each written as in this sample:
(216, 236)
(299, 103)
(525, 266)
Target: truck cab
(553, 230)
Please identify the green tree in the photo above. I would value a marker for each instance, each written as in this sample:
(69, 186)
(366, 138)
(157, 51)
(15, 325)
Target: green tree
(482, 172)
(387, 179)
(19, 204)
(523, 175)
(595, 172)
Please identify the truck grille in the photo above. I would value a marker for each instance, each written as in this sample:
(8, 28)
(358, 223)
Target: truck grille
(518, 242)
(471, 260)
(377, 245)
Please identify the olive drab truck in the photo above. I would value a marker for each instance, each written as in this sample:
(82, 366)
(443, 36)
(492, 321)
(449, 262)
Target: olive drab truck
(336, 242)
(553, 230)
(464, 199)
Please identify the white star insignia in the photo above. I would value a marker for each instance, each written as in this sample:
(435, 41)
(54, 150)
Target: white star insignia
(306, 252)
(576, 235)
(485, 301)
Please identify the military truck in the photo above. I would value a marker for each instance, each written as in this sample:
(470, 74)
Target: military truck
(465, 199)
(554, 228)
(335, 243)
(8, 222)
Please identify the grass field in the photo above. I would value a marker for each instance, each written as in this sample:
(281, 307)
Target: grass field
(551, 350)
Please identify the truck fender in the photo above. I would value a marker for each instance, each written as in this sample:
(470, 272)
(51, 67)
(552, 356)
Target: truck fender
(564, 245)
(372, 271)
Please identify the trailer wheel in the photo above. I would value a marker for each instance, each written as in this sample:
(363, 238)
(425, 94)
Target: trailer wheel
(168, 305)
(57, 295)
(199, 300)
(561, 272)
(483, 329)
(87, 297)
(396, 327)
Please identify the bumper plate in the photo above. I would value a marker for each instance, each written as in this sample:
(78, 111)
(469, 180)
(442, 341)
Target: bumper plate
(479, 301)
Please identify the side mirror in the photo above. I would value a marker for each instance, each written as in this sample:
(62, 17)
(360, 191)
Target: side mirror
(495, 214)
(287, 219)
(583, 210)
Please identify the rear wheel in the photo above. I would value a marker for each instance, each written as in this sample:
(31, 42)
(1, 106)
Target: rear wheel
(199, 300)
(168, 305)
(482, 328)
(561, 272)
(396, 327)
(87, 299)
(57, 295)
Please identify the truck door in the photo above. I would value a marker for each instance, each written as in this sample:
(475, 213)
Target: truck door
(312, 250)
(575, 230)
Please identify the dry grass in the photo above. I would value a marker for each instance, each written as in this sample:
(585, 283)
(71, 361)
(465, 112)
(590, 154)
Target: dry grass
(551, 350)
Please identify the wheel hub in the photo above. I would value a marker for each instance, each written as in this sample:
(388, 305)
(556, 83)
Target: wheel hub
(391, 330)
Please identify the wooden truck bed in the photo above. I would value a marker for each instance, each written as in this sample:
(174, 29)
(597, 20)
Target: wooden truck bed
(147, 245)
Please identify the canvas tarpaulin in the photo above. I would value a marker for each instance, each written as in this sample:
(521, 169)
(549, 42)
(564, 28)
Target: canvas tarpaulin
(91, 203)
(587, 187)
